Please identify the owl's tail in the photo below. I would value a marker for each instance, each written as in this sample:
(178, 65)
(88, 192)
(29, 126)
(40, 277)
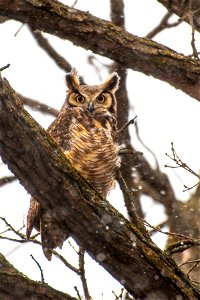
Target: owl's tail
(52, 235)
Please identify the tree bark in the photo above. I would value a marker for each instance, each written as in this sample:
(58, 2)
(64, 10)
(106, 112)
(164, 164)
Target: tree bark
(15, 286)
(105, 38)
(122, 248)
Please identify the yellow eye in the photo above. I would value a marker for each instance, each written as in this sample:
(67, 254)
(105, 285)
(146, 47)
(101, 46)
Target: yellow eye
(101, 98)
(80, 99)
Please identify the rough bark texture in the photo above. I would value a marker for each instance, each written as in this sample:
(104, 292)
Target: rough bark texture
(15, 286)
(105, 38)
(183, 10)
(122, 248)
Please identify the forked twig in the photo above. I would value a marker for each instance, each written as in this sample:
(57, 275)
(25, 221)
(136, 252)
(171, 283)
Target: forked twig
(180, 164)
(164, 23)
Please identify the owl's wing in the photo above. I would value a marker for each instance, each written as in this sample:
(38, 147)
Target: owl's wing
(52, 235)
(59, 128)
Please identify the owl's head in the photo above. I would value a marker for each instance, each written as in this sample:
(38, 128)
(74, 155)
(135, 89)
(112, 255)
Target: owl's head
(92, 98)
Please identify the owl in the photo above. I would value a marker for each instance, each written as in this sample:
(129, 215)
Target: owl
(85, 129)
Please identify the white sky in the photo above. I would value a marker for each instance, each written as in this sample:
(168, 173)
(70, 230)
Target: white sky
(164, 115)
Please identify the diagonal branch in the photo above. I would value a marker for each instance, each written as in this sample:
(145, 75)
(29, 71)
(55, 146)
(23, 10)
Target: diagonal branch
(123, 249)
(14, 285)
(105, 38)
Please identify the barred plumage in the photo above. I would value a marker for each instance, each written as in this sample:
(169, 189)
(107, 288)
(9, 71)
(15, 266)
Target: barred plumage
(86, 130)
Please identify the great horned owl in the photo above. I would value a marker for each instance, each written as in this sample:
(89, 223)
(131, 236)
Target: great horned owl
(86, 129)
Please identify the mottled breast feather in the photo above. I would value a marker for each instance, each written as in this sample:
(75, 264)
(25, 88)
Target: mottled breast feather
(93, 150)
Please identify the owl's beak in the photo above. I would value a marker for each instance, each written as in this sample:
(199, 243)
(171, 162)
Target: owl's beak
(90, 107)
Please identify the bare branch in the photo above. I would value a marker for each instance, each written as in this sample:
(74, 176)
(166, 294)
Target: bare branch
(44, 44)
(77, 292)
(17, 232)
(33, 240)
(10, 278)
(181, 246)
(7, 179)
(192, 240)
(41, 271)
(5, 67)
(82, 273)
(180, 164)
(164, 24)
(132, 121)
(191, 20)
(36, 105)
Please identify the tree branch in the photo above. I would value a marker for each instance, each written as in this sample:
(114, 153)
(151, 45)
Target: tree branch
(14, 285)
(123, 249)
(105, 38)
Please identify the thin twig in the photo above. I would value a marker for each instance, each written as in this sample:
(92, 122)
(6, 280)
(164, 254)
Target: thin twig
(120, 297)
(145, 146)
(77, 252)
(196, 241)
(129, 203)
(22, 236)
(195, 261)
(75, 2)
(163, 25)
(189, 262)
(180, 164)
(45, 45)
(5, 67)
(82, 273)
(36, 105)
(78, 294)
(195, 265)
(33, 240)
(180, 246)
(66, 263)
(161, 225)
(7, 179)
(41, 271)
(191, 20)
(132, 121)
(18, 30)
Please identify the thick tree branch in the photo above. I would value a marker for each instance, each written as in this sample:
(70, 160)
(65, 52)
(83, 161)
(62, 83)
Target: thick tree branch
(123, 249)
(14, 285)
(105, 38)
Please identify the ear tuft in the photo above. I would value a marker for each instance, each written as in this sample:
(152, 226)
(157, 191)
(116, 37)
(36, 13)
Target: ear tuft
(72, 79)
(112, 83)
